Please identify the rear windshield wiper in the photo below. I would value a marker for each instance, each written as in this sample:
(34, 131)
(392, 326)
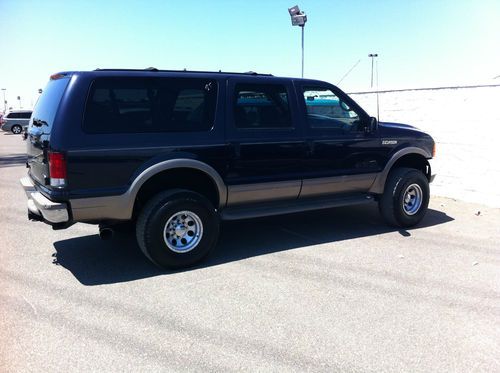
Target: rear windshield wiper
(39, 122)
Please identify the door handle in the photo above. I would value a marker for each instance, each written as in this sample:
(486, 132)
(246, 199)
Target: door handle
(235, 149)
(309, 147)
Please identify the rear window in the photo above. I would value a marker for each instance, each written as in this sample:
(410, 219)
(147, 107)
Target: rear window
(25, 115)
(137, 105)
(48, 103)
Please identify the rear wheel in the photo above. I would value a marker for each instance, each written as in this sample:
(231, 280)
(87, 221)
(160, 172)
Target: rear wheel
(405, 198)
(177, 228)
(16, 129)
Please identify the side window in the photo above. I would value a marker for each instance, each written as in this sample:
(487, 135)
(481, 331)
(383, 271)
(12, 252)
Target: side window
(326, 110)
(26, 115)
(189, 106)
(261, 106)
(135, 105)
(13, 116)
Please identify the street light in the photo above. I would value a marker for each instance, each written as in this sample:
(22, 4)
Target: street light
(372, 55)
(19, 99)
(4, 101)
(299, 18)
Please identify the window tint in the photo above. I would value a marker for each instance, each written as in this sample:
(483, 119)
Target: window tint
(25, 115)
(128, 105)
(13, 115)
(326, 110)
(48, 103)
(261, 106)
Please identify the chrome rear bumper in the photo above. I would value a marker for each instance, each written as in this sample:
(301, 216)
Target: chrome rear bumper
(38, 204)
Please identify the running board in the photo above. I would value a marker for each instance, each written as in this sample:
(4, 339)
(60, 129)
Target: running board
(289, 207)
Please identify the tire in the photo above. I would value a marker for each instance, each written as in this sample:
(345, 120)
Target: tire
(177, 228)
(406, 197)
(16, 129)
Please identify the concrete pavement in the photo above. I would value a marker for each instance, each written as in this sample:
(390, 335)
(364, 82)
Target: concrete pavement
(335, 290)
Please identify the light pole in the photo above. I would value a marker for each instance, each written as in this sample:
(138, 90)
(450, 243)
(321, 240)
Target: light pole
(299, 18)
(19, 99)
(372, 55)
(4, 101)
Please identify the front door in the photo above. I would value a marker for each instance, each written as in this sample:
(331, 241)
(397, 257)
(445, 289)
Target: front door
(344, 155)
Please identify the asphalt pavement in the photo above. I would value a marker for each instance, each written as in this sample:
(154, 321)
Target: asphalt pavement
(332, 291)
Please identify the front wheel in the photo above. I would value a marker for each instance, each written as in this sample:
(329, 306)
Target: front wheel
(177, 228)
(405, 198)
(16, 129)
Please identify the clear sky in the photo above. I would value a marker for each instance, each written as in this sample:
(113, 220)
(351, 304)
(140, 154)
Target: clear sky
(420, 43)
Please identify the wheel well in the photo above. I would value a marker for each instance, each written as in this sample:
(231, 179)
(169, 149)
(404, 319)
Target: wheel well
(416, 161)
(182, 178)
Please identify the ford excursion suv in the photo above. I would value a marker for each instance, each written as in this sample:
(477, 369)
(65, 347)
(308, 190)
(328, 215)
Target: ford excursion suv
(175, 152)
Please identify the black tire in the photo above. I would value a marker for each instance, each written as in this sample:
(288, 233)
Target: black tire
(391, 203)
(151, 226)
(16, 129)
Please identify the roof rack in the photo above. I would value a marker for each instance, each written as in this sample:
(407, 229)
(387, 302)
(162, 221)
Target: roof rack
(186, 71)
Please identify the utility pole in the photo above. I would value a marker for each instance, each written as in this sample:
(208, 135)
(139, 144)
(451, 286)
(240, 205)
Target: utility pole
(372, 56)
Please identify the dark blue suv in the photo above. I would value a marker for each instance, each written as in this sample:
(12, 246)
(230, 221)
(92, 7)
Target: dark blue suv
(174, 152)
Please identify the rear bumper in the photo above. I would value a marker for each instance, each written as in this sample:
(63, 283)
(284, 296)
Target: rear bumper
(38, 204)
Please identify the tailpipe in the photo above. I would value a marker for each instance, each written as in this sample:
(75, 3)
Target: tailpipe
(106, 233)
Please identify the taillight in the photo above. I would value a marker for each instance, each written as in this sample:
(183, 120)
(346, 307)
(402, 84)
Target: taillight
(57, 169)
(434, 151)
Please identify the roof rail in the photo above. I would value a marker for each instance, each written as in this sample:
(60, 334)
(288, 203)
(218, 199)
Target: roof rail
(186, 71)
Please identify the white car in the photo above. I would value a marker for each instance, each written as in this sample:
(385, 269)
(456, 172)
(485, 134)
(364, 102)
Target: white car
(16, 121)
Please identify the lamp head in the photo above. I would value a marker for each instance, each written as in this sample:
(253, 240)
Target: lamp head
(298, 17)
(294, 10)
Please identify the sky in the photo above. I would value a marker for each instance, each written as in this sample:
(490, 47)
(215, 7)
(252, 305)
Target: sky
(420, 43)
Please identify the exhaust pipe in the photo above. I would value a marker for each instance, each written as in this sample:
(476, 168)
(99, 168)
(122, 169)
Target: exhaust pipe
(106, 233)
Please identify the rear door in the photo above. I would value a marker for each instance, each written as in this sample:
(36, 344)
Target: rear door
(265, 140)
(40, 127)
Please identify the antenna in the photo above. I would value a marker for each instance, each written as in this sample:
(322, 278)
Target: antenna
(347, 73)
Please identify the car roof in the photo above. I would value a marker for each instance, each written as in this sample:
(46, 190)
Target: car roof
(178, 73)
(19, 111)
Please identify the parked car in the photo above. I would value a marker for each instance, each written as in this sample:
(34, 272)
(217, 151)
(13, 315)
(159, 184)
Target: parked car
(16, 121)
(175, 152)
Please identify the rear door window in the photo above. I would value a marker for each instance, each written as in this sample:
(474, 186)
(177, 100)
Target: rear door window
(138, 105)
(261, 106)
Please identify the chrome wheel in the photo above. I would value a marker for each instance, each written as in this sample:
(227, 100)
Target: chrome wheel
(16, 130)
(412, 199)
(183, 231)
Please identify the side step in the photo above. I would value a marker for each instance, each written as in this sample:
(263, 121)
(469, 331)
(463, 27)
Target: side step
(289, 207)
